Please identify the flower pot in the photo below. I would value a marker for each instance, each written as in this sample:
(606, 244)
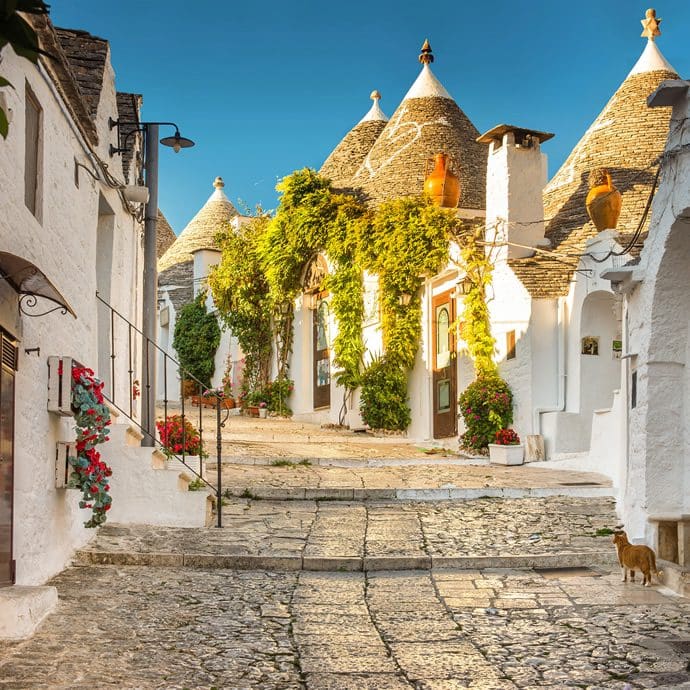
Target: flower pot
(253, 411)
(229, 403)
(192, 462)
(263, 412)
(506, 455)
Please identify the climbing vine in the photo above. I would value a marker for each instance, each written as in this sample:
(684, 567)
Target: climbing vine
(476, 322)
(402, 242)
(241, 294)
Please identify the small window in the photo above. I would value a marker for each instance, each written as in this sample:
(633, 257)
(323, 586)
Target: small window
(32, 148)
(510, 345)
(633, 390)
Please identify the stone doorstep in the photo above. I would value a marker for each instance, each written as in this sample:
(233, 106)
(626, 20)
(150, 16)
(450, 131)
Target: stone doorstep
(674, 576)
(23, 609)
(439, 494)
(88, 557)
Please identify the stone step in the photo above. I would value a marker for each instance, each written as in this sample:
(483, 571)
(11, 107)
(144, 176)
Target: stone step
(575, 559)
(314, 535)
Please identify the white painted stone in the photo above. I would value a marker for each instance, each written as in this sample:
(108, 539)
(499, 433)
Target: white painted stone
(427, 86)
(651, 60)
(23, 609)
(63, 241)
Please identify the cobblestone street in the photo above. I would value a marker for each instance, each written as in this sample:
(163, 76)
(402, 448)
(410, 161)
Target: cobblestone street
(144, 627)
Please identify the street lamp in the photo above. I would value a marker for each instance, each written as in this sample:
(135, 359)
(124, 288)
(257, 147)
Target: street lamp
(150, 291)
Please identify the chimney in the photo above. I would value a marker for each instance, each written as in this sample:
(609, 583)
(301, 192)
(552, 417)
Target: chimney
(515, 178)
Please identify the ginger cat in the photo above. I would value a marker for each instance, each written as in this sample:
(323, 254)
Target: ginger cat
(635, 557)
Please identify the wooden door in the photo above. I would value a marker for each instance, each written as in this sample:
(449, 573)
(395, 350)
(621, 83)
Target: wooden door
(444, 379)
(7, 385)
(322, 356)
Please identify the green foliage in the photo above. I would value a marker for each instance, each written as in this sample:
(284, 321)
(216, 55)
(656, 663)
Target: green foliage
(476, 330)
(403, 241)
(196, 340)
(383, 402)
(407, 239)
(16, 31)
(240, 293)
(486, 406)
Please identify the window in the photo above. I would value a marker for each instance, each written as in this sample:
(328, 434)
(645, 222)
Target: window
(510, 345)
(32, 132)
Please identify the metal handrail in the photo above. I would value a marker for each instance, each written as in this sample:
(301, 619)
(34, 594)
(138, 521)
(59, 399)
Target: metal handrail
(132, 331)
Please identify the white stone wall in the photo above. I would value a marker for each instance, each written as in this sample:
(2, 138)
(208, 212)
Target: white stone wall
(657, 478)
(62, 242)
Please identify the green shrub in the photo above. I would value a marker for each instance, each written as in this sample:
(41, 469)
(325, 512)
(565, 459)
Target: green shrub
(196, 340)
(383, 402)
(486, 406)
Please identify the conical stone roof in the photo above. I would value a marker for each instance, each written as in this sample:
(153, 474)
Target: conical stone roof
(165, 235)
(428, 121)
(201, 231)
(626, 138)
(349, 154)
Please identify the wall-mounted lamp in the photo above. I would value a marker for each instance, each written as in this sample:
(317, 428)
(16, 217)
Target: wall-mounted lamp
(404, 299)
(464, 286)
(285, 308)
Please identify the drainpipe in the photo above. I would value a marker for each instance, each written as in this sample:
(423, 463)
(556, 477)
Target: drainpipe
(560, 404)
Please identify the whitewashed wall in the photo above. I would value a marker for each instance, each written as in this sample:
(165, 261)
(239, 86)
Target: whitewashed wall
(657, 474)
(62, 242)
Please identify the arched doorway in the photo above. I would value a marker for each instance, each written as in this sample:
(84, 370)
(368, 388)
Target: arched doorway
(600, 350)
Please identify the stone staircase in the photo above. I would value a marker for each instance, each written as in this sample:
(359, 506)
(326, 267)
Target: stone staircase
(146, 487)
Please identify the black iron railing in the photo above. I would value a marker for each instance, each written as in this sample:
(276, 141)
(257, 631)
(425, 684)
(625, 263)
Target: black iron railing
(126, 379)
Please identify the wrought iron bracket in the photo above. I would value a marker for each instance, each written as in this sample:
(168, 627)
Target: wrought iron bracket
(28, 302)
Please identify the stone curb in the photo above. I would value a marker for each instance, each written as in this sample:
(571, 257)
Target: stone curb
(352, 463)
(274, 493)
(344, 563)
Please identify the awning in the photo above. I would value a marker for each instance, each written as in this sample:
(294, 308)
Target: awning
(28, 280)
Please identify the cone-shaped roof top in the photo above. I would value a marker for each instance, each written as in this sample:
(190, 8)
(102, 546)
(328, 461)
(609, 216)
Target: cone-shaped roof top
(626, 138)
(201, 231)
(165, 235)
(348, 155)
(428, 121)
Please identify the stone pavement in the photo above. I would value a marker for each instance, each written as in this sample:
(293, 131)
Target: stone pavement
(338, 535)
(175, 628)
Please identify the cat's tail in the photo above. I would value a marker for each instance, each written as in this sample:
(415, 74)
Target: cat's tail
(652, 558)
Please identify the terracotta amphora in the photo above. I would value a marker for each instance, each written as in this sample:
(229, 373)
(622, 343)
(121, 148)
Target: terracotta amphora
(603, 200)
(442, 184)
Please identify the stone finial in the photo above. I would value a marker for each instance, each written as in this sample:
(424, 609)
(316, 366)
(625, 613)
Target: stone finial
(218, 183)
(650, 25)
(375, 96)
(426, 56)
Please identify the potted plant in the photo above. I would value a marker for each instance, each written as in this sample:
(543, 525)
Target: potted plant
(181, 440)
(263, 410)
(506, 449)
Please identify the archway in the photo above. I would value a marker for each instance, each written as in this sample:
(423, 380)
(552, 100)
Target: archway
(662, 381)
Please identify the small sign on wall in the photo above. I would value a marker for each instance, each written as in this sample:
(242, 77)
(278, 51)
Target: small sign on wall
(590, 345)
(617, 349)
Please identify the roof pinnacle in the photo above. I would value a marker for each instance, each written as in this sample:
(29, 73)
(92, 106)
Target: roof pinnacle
(426, 57)
(218, 183)
(650, 25)
(375, 96)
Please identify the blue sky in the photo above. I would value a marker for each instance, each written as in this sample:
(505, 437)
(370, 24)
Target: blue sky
(267, 87)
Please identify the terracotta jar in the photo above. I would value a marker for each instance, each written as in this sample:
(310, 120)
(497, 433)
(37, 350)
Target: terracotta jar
(442, 184)
(603, 200)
